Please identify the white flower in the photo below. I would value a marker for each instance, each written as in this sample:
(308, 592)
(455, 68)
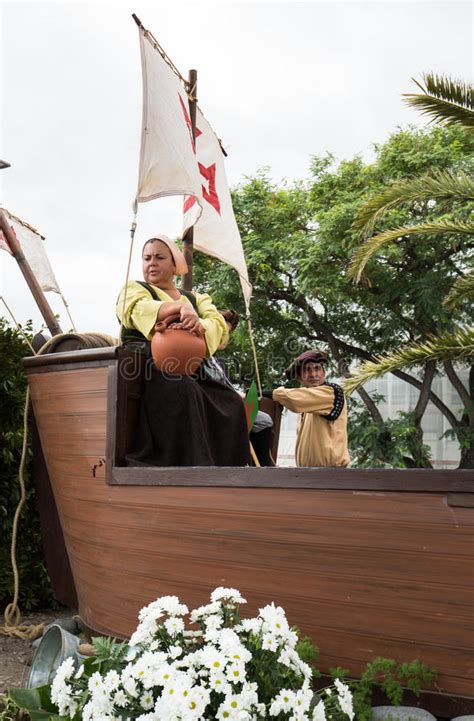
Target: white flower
(203, 611)
(147, 701)
(227, 594)
(228, 639)
(80, 671)
(95, 682)
(130, 686)
(175, 651)
(319, 713)
(172, 606)
(250, 624)
(218, 682)
(269, 642)
(345, 698)
(236, 672)
(194, 702)
(66, 669)
(283, 702)
(131, 653)
(212, 658)
(174, 625)
(111, 680)
(120, 699)
(213, 623)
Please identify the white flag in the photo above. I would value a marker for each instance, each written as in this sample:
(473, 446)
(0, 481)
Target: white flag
(167, 155)
(215, 232)
(32, 245)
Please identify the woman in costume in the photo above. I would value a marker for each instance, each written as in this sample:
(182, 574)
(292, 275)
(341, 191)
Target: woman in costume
(184, 420)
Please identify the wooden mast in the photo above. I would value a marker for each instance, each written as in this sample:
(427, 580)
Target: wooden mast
(34, 286)
(187, 281)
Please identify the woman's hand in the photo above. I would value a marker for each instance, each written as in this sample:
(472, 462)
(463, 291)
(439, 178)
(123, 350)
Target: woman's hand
(189, 319)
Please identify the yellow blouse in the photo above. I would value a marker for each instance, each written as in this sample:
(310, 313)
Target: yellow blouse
(141, 312)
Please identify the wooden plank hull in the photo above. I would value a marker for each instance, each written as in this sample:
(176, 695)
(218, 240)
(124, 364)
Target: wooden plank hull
(364, 572)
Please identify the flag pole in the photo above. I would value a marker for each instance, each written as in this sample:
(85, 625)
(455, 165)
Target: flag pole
(187, 282)
(34, 286)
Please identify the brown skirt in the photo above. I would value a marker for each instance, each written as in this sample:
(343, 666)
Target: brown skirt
(189, 421)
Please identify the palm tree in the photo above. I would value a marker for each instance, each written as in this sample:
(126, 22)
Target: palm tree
(451, 102)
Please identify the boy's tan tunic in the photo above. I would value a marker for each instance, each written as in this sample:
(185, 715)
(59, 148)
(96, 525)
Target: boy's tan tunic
(318, 442)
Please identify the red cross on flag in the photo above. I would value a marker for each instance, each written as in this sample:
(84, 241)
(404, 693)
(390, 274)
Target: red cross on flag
(32, 245)
(215, 229)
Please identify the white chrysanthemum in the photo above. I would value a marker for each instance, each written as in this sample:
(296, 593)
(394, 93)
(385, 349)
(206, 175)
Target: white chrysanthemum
(194, 702)
(283, 702)
(153, 611)
(147, 701)
(175, 651)
(228, 639)
(212, 658)
(132, 653)
(199, 614)
(252, 625)
(120, 699)
(235, 672)
(111, 680)
(95, 682)
(66, 669)
(213, 622)
(319, 713)
(269, 642)
(144, 633)
(174, 625)
(218, 682)
(80, 671)
(231, 595)
(345, 698)
(230, 710)
(172, 606)
(130, 686)
(303, 698)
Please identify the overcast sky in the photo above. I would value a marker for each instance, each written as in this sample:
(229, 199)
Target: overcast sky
(279, 82)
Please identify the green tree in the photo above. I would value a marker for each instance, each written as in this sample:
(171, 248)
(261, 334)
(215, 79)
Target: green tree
(451, 195)
(299, 240)
(35, 588)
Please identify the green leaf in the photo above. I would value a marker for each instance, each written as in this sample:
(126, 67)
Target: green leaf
(444, 99)
(374, 244)
(28, 699)
(457, 346)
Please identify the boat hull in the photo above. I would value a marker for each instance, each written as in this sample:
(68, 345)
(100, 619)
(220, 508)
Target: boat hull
(365, 563)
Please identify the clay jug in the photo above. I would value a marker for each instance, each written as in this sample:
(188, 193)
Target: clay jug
(176, 351)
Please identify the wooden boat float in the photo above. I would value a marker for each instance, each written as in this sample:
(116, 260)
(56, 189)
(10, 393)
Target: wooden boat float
(366, 562)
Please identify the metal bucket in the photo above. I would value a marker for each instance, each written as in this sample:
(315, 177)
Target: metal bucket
(54, 648)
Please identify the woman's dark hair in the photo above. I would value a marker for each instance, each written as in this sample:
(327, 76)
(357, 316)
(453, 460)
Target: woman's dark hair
(231, 317)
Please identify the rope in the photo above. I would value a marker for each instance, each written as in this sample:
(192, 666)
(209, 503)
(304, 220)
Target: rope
(165, 57)
(18, 326)
(127, 275)
(66, 305)
(254, 350)
(12, 614)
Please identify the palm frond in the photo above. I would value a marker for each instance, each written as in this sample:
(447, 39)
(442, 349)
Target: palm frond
(461, 289)
(373, 245)
(444, 99)
(456, 347)
(436, 185)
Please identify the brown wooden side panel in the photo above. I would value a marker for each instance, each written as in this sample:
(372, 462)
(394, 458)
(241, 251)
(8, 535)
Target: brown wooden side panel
(359, 579)
(364, 573)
